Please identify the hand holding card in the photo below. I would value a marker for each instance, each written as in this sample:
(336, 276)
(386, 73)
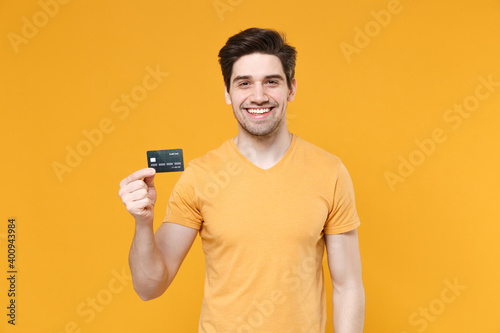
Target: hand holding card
(169, 160)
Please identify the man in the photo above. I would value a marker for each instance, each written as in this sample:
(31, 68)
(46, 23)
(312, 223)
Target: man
(265, 204)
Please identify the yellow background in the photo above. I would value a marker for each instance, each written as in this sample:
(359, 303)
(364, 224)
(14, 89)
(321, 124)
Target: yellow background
(440, 224)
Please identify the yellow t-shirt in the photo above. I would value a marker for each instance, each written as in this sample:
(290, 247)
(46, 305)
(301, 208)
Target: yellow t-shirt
(262, 235)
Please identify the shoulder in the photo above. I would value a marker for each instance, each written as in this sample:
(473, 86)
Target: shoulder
(214, 159)
(316, 155)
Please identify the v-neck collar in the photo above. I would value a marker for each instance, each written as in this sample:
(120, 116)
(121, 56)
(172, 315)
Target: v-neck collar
(258, 169)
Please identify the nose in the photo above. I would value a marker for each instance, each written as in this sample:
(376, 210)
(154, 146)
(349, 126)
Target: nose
(259, 95)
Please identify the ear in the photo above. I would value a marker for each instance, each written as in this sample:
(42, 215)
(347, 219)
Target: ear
(292, 91)
(227, 96)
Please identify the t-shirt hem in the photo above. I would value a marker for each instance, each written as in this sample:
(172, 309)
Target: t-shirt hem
(344, 228)
(181, 221)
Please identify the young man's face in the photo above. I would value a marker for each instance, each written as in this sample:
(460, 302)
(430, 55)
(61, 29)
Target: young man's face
(259, 94)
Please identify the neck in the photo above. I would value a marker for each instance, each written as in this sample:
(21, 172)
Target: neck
(263, 151)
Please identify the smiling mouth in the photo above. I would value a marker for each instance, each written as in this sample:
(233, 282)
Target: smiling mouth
(259, 110)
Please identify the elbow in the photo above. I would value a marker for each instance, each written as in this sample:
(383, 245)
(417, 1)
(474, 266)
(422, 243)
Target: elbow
(149, 287)
(354, 293)
(354, 286)
(148, 295)
(148, 292)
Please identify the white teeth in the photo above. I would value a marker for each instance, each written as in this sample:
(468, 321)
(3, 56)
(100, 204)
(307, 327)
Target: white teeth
(258, 110)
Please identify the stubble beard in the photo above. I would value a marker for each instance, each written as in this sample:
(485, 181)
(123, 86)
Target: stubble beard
(258, 130)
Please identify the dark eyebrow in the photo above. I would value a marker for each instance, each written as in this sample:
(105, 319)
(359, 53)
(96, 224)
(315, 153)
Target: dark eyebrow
(267, 77)
(242, 77)
(275, 76)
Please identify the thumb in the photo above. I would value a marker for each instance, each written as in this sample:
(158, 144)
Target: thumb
(149, 180)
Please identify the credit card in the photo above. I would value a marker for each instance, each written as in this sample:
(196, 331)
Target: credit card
(168, 160)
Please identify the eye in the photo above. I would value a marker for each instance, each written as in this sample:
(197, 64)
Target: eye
(273, 82)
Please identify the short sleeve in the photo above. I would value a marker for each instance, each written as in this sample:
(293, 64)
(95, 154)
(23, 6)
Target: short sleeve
(183, 207)
(342, 216)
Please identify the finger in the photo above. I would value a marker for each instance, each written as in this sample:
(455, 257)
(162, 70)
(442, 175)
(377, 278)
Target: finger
(129, 197)
(131, 187)
(137, 195)
(138, 207)
(136, 185)
(150, 179)
(139, 174)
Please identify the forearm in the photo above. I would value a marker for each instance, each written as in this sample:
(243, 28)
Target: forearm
(348, 309)
(149, 273)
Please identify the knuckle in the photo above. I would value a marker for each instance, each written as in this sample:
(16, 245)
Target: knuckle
(133, 208)
(139, 184)
(136, 185)
(124, 197)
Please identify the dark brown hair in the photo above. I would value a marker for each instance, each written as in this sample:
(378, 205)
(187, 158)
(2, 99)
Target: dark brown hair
(255, 40)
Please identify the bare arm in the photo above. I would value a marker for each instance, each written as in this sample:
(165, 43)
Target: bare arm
(154, 259)
(344, 261)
